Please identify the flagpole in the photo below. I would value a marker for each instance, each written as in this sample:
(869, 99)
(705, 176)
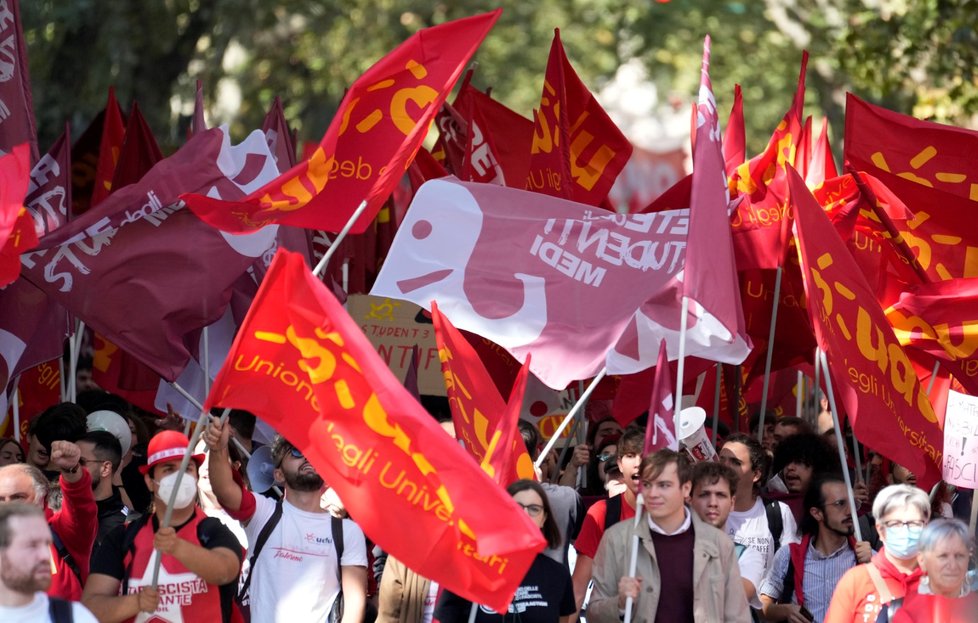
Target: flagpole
(633, 562)
(823, 360)
(933, 376)
(570, 416)
(799, 390)
(61, 378)
(818, 384)
(339, 238)
(16, 409)
(74, 346)
(716, 404)
(770, 351)
(680, 364)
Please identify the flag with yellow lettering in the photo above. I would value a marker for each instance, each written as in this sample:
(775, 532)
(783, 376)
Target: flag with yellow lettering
(304, 366)
(368, 146)
(484, 423)
(577, 151)
(881, 394)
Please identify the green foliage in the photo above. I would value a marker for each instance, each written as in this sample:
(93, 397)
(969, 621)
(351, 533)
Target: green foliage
(911, 55)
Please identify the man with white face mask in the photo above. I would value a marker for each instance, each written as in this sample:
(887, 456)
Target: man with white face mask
(201, 558)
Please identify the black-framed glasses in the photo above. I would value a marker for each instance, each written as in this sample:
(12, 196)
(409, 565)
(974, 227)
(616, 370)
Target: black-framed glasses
(294, 452)
(604, 458)
(840, 504)
(533, 510)
(84, 462)
(916, 523)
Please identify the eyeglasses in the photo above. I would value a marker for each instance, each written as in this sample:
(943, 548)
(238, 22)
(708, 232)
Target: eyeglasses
(840, 504)
(604, 458)
(294, 452)
(533, 510)
(917, 523)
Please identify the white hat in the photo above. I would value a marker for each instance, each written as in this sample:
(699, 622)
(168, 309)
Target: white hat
(111, 422)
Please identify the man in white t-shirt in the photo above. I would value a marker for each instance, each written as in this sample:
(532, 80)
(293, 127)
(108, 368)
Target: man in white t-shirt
(296, 576)
(25, 569)
(748, 523)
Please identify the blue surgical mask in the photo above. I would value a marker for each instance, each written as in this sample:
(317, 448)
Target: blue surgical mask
(903, 541)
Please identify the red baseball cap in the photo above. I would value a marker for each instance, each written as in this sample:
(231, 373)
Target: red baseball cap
(167, 446)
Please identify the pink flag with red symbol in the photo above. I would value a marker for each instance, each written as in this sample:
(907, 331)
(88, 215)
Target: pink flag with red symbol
(531, 272)
(660, 431)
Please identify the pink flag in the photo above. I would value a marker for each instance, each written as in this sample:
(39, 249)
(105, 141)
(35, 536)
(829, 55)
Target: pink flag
(144, 272)
(16, 109)
(734, 140)
(660, 431)
(531, 272)
(197, 123)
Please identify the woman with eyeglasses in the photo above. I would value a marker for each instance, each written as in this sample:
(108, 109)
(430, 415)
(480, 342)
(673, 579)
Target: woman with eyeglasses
(880, 585)
(944, 593)
(546, 594)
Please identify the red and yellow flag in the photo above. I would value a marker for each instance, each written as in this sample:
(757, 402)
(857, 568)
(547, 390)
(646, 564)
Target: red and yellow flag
(17, 233)
(303, 365)
(885, 401)
(110, 147)
(370, 143)
(485, 423)
(577, 151)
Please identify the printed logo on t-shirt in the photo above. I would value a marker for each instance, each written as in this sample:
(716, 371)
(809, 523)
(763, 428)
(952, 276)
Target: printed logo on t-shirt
(526, 597)
(320, 540)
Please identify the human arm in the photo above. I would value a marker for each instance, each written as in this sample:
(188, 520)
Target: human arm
(102, 598)
(611, 588)
(217, 560)
(864, 552)
(772, 589)
(735, 608)
(773, 611)
(580, 457)
(229, 494)
(77, 521)
(354, 582)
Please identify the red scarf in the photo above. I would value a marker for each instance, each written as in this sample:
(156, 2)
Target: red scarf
(908, 581)
(799, 551)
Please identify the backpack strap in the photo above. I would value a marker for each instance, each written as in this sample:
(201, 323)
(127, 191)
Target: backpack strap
(65, 555)
(775, 521)
(612, 513)
(337, 527)
(60, 610)
(881, 588)
(266, 531)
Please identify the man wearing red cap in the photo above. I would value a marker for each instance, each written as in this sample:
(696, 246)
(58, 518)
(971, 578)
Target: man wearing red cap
(201, 559)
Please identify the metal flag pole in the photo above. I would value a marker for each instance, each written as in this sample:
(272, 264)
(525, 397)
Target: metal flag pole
(74, 346)
(716, 404)
(680, 364)
(799, 390)
(933, 376)
(16, 409)
(823, 360)
(570, 416)
(770, 352)
(339, 238)
(633, 561)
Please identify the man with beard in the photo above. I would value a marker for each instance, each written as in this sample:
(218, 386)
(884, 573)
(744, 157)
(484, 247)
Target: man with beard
(25, 570)
(803, 576)
(101, 455)
(199, 558)
(297, 568)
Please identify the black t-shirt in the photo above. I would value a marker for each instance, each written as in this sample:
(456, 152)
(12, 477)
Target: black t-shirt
(545, 594)
(109, 557)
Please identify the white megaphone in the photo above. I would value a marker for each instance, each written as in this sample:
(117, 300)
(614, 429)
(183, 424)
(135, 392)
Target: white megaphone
(261, 470)
(692, 434)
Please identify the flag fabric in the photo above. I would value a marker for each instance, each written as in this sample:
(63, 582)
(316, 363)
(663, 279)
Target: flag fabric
(929, 166)
(139, 151)
(17, 233)
(118, 372)
(577, 150)
(715, 322)
(532, 273)
(660, 430)
(109, 149)
(482, 420)
(367, 148)
(279, 136)
(85, 162)
(197, 123)
(48, 196)
(822, 164)
(881, 394)
(735, 137)
(38, 388)
(300, 363)
(161, 274)
(15, 86)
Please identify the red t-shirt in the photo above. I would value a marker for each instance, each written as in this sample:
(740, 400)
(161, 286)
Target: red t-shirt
(592, 529)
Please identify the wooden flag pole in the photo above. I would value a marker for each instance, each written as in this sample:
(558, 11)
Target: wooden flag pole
(339, 238)
(823, 360)
(570, 416)
(680, 364)
(770, 352)
(633, 561)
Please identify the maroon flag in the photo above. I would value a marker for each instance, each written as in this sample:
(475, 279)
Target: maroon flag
(660, 430)
(197, 123)
(144, 272)
(49, 193)
(279, 136)
(16, 109)
(139, 152)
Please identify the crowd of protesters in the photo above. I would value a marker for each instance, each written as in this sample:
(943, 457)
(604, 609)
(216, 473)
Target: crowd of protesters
(765, 533)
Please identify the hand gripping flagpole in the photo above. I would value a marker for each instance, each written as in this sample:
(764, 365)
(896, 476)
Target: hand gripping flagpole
(339, 238)
(823, 360)
(570, 416)
(633, 561)
(770, 352)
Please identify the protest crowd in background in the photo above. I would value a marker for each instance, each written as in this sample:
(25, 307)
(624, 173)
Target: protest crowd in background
(749, 400)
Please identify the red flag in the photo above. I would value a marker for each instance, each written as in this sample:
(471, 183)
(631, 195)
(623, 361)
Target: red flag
(822, 165)
(533, 273)
(139, 151)
(577, 150)
(880, 391)
(279, 136)
(734, 140)
(16, 109)
(803, 156)
(301, 364)
(110, 148)
(660, 430)
(38, 388)
(17, 233)
(197, 123)
(482, 420)
(370, 142)
(118, 372)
